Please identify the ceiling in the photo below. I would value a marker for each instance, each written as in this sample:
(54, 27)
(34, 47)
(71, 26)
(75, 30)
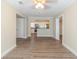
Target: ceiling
(51, 9)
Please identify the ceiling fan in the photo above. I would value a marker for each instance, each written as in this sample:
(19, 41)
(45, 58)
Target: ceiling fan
(41, 3)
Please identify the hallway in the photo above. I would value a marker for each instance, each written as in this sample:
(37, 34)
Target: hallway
(42, 48)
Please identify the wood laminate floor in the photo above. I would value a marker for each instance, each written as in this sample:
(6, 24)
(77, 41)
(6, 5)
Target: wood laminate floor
(41, 48)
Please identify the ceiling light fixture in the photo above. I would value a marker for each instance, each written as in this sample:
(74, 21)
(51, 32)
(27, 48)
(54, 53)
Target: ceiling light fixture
(39, 6)
(39, 3)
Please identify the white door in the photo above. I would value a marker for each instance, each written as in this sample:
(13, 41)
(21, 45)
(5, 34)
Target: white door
(20, 28)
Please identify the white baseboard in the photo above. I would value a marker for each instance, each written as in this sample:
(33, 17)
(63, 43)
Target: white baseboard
(42, 36)
(6, 52)
(21, 37)
(70, 49)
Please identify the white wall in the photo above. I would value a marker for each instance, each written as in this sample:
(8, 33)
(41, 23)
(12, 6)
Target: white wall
(70, 28)
(57, 28)
(21, 28)
(42, 32)
(8, 28)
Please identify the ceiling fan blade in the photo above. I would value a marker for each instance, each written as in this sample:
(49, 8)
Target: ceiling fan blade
(45, 7)
(51, 1)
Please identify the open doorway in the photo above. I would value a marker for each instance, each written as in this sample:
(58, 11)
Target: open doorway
(21, 30)
(38, 27)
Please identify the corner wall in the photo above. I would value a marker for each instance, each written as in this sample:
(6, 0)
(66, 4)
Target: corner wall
(70, 28)
(8, 28)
